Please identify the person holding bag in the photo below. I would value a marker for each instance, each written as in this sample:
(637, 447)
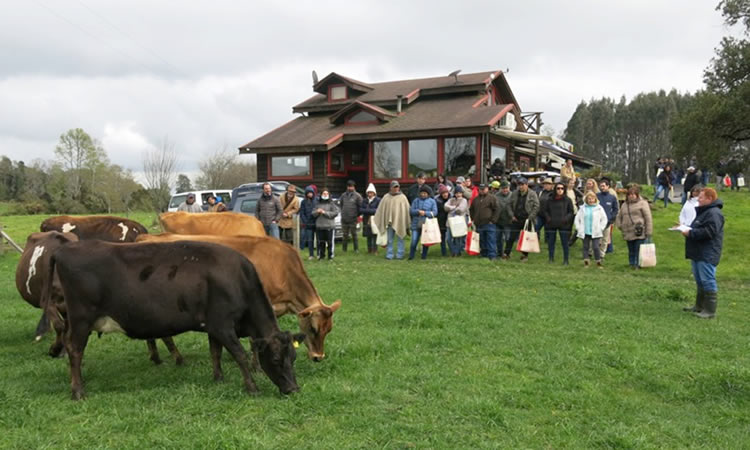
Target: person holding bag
(457, 209)
(484, 214)
(524, 204)
(634, 220)
(422, 207)
(559, 215)
(590, 223)
(444, 194)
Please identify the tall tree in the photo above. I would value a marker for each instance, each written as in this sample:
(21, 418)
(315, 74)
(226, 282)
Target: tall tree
(159, 167)
(79, 155)
(214, 169)
(183, 183)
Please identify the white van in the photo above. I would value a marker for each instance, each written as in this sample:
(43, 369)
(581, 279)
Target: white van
(201, 198)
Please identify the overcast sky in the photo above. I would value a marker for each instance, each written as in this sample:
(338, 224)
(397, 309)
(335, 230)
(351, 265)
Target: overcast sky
(208, 75)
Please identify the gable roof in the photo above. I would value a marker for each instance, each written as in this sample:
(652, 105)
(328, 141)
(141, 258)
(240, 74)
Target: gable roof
(334, 78)
(380, 113)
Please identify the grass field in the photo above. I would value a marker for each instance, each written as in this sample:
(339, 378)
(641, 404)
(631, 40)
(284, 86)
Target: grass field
(442, 353)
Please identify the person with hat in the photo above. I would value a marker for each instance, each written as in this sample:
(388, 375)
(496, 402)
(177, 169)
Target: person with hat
(484, 213)
(546, 193)
(350, 202)
(444, 194)
(307, 221)
(442, 180)
(289, 207)
(497, 169)
(456, 206)
(215, 204)
(367, 209)
(422, 207)
(524, 205)
(504, 218)
(691, 179)
(413, 191)
(494, 187)
(268, 210)
(189, 205)
(392, 217)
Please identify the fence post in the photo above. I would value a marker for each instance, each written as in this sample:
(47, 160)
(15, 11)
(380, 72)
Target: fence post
(295, 233)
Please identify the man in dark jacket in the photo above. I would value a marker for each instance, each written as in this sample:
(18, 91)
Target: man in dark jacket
(524, 205)
(504, 218)
(413, 191)
(307, 221)
(691, 179)
(350, 202)
(545, 194)
(703, 245)
(611, 206)
(268, 210)
(484, 214)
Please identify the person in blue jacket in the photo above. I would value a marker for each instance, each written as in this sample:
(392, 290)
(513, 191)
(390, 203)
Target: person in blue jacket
(703, 243)
(307, 221)
(422, 208)
(368, 208)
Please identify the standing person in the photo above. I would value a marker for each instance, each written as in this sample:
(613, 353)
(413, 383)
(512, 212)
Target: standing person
(413, 191)
(687, 214)
(703, 244)
(442, 180)
(691, 179)
(497, 169)
(568, 173)
(422, 207)
(289, 207)
(664, 184)
(189, 205)
(484, 214)
(367, 209)
(505, 217)
(307, 221)
(546, 193)
(721, 171)
(444, 194)
(457, 206)
(590, 223)
(470, 191)
(215, 204)
(558, 212)
(576, 197)
(392, 217)
(634, 220)
(590, 185)
(524, 204)
(350, 202)
(325, 214)
(268, 210)
(611, 206)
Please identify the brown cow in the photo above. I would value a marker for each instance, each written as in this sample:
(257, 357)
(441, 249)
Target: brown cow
(284, 279)
(223, 224)
(30, 278)
(104, 228)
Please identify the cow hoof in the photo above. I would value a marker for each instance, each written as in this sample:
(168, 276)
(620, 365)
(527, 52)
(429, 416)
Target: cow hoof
(180, 361)
(78, 395)
(252, 390)
(218, 378)
(156, 360)
(56, 352)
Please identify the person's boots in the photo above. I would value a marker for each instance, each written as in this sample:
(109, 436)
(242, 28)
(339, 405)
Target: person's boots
(698, 307)
(709, 305)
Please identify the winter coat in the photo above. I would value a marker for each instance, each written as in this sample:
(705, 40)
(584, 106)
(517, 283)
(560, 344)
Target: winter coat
(290, 207)
(325, 221)
(531, 206)
(610, 204)
(599, 222)
(349, 202)
(638, 212)
(690, 180)
(484, 210)
(558, 213)
(306, 208)
(368, 208)
(393, 211)
(194, 208)
(506, 214)
(428, 205)
(442, 214)
(705, 240)
(268, 209)
(456, 207)
(497, 170)
(664, 178)
(543, 197)
(413, 192)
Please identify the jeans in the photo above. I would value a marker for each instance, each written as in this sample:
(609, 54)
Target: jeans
(552, 237)
(705, 176)
(371, 238)
(399, 245)
(588, 240)
(540, 222)
(634, 247)
(487, 240)
(515, 232)
(705, 275)
(307, 240)
(456, 245)
(660, 188)
(444, 242)
(325, 239)
(502, 234)
(416, 233)
(349, 228)
(272, 230)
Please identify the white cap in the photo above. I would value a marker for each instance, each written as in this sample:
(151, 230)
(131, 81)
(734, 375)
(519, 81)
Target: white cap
(371, 188)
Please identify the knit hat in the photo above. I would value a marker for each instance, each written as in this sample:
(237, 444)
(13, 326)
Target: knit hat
(443, 188)
(425, 188)
(371, 188)
(351, 183)
(458, 189)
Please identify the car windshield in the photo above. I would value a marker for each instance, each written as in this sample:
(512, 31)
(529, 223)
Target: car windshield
(177, 200)
(247, 205)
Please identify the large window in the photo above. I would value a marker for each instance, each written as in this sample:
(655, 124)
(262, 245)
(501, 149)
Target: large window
(460, 156)
(497, 151)
(290, 166)
(423, 157)
(386, 159)
(337, 92)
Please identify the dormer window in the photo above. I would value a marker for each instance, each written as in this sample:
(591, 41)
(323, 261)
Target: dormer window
(362, 117)
(337, 92)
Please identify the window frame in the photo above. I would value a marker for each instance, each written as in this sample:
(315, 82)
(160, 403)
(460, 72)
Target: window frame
(437, 157)
(347, 120)
(330, 93)
(344, 165)
(371, 158)
(477, 156)
(269, 166)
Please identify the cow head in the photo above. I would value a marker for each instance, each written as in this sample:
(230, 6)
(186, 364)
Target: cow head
(316, 322)
(276, 355)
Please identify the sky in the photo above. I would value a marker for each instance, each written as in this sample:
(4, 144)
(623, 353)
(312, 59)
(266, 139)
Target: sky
(208, 76)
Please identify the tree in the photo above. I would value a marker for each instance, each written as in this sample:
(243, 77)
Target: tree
(80, 156)
(159, 167)
(183, 183)
(214, 170)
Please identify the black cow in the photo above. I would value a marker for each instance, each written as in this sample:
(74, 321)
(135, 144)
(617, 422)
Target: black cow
(156, 290)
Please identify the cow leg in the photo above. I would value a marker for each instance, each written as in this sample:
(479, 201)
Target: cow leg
(153, 351)
(254, 363)
(41, 328)
(59, 324)
(232, 343)
(169, 342)
(76, 341)
(216, 349)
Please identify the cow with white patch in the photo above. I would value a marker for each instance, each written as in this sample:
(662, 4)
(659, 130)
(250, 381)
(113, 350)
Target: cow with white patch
(104, 228)
(155, 290)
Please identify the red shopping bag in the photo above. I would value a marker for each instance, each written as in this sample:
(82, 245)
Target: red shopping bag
(472, 243)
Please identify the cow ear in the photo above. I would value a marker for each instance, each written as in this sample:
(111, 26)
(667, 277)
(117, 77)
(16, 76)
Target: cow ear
(335, 305)
(305, 313)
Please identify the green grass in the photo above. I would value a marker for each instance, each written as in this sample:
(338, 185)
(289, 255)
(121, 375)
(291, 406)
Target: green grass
(442, 353)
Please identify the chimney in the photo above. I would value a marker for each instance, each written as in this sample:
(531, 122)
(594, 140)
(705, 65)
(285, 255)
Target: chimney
(398, 103)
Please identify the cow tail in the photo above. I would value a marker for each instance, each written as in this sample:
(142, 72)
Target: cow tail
(47, 303)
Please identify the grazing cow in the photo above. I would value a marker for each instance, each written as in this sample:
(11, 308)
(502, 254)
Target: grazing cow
(154, 290)
(224, 224)
(284, 279)
(31, 274)
(104, 228)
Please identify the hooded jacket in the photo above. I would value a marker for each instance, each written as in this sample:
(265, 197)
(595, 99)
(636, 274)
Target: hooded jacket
(368, 208)
(306, 208)
(706, 237)
(428, 205)
(325, 221)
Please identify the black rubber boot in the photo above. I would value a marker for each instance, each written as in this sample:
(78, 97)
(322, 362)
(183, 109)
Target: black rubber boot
(709, 305)
(698, 307)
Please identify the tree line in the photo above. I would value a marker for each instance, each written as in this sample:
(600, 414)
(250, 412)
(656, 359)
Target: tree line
(80, 179)
(705, 128)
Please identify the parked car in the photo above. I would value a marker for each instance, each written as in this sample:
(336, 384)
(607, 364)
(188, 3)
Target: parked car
(277, 187)
(201, 198)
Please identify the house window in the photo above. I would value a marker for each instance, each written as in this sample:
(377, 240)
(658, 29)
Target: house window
(290, 166)
(386, 159)
(362, 116)
(359, 157)
(337, 92)
(336, 163)
(497, 152)
(460, 155)
(423, 157)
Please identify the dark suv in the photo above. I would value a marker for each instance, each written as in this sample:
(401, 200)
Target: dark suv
(277, 187)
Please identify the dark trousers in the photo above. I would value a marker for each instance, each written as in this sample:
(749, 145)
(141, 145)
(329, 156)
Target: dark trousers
(307, 240)
(634, 247)
(349, 228)
(552, 237)
(515, 232)
(444, 242)
(487, 240)
(371, 238)
(286, 235)
(587, 242)
(416, 233)
(325, 239)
